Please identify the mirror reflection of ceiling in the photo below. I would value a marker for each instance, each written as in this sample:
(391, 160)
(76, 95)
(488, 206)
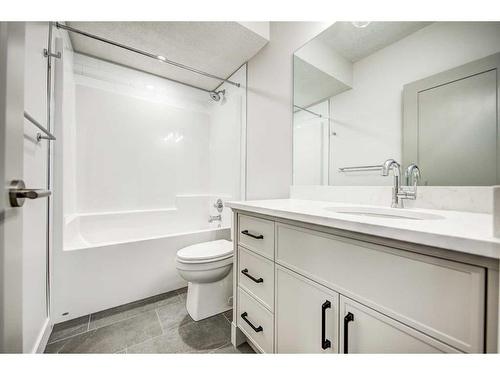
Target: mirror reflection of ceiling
(355, 43)
(323, 67)
(218, 48)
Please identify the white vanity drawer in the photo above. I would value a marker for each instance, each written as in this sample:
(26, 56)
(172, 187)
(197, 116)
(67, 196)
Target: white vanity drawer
(441, 298)
(256, 276)
(255, 321)
(257, 235)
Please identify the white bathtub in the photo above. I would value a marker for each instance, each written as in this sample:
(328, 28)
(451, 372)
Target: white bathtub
(115, 258)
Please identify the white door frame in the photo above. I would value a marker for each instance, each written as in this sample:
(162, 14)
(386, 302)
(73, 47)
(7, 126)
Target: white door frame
(11, 168)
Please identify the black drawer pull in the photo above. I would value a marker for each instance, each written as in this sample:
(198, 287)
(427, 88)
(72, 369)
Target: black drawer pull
(245, 272)
(256, 236)
(256, 329)
(325, 343)
(348, 318)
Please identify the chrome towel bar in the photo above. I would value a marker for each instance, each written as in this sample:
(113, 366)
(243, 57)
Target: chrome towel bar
(362, 168)
(39, 136)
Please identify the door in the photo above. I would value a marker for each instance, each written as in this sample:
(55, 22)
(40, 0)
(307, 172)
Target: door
(364, 330)
(35, 175)
(306, 315)
(11, 168)
(24, 308)
(451, 125)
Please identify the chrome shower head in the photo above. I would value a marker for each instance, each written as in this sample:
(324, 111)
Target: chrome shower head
(217, 95)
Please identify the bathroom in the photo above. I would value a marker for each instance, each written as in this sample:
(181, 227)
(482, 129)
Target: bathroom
(232, 187)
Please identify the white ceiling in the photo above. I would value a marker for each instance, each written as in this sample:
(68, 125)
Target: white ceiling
(217, 48)
(356, 43)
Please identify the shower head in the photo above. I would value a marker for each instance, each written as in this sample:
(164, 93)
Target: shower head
(217, 95)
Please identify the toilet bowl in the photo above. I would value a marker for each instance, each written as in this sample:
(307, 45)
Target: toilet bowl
(207, 267)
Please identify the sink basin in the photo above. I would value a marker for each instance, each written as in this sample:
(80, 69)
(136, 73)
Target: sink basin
(385, 213)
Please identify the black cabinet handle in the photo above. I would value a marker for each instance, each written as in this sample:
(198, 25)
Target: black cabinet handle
(245, 272)
(256, 236)
(348, 318)
(256, 329)
(325, 343)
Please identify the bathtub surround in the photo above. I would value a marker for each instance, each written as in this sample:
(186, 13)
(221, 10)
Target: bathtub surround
(144, 159)
(158, 324)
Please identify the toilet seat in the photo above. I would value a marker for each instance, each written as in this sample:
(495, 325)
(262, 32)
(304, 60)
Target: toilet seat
(206, 252)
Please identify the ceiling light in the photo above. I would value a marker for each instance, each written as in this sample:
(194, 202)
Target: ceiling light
(360, 24)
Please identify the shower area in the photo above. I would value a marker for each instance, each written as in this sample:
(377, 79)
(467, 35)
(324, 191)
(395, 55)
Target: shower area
(140, 163)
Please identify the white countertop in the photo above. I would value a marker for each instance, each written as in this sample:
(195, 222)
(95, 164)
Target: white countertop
(466, 232)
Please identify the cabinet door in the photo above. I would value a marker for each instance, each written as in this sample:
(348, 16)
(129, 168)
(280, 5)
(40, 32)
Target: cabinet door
(306, 315)
(364, 330)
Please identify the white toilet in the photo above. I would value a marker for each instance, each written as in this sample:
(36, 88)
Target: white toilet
(207, 267)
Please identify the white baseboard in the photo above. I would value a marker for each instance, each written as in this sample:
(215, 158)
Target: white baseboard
(43, 338)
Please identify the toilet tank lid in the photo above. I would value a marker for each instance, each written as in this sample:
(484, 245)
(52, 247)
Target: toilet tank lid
(206, 250)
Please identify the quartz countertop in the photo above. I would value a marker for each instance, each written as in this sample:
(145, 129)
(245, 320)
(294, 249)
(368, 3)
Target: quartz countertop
(467, 232)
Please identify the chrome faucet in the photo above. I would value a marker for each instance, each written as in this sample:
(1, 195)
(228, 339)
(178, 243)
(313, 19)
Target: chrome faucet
(211, 218)
(412, 176)
(219, 205)
(391, 164)
(400, 192)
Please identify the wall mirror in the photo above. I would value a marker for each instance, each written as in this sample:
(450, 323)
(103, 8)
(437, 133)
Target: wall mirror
(417, 92)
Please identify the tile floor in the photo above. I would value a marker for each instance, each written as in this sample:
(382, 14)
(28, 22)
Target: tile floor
(158, 324)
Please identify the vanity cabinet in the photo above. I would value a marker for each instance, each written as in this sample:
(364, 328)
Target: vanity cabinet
(314, 291)
(364, 330)
(306, 315)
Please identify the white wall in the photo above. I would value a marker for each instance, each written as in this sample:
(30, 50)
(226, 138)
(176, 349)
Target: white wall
(368, 118)
(327, 60)
(269, 116)
(258, 27)
(227, 140)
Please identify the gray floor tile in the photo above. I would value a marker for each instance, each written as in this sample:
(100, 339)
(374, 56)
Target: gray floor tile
(230, 349)
(195, 337)
(69, 328)
(158, 324)
(54, 347)
(173, 315)
(116, 314)
(115, 337)
(170, 342)
(206, 334)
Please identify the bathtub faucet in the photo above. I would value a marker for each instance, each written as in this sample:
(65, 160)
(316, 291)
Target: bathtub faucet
(211, 218)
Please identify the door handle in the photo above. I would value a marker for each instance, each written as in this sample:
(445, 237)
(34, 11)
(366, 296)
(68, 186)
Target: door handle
(18, 193)
(256, 329)
(325, 343)
(245, 272)
(348, 318)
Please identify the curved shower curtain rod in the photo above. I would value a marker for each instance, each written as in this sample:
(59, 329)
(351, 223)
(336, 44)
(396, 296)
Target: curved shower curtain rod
(147, 54)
